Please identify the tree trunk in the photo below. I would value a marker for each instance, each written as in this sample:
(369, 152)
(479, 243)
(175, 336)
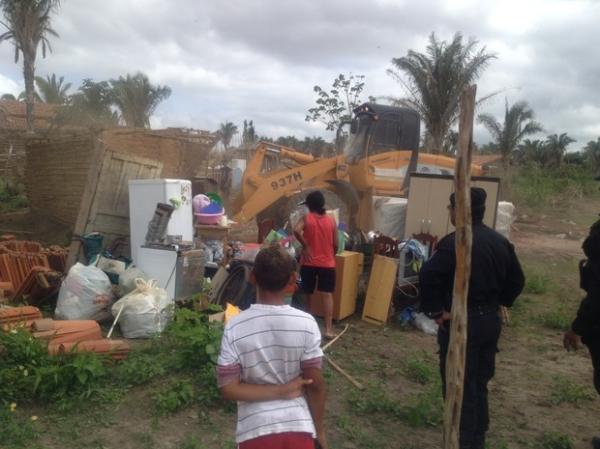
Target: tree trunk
(506, 190)
(437, 142)
(457, 348)
(29, 75)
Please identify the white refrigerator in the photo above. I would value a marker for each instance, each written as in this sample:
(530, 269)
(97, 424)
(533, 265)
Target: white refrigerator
(144, 194)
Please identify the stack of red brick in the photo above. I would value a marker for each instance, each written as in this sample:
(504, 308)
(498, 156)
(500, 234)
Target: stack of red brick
(63, 336)
(29, 271)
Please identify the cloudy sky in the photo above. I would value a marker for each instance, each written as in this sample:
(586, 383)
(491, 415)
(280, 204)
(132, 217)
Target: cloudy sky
(259, 59)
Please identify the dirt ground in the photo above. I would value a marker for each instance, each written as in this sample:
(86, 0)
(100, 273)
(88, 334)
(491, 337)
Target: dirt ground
(541, 396)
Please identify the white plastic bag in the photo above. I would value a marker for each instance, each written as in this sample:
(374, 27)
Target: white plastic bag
(85, 294)
(127, 279)
(425, 324)
(146, 310)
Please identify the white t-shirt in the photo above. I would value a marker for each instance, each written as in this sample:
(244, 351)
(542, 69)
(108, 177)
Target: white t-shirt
(267, 344)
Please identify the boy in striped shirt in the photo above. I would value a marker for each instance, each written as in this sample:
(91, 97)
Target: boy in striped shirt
(270, 363)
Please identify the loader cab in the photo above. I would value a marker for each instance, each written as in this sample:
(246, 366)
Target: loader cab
(377, 129)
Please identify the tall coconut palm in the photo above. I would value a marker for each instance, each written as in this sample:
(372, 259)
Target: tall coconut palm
(518, 123)
(531, 151)
(52, 90)
(137, 98)
(436, 79)
(592, 153)
(226, 132)
(28, 26)
(556, 146)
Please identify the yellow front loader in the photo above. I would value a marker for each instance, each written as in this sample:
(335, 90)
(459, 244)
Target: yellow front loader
(383, 146)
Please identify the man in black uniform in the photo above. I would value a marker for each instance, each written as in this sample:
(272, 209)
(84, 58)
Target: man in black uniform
(586, 326)
(496, 279)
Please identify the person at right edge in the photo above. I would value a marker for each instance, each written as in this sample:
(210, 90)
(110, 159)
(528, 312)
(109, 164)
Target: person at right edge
(586, 327)
(496, 280)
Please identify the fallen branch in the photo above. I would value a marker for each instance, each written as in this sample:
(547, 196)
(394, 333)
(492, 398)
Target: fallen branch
(336, 338)
(340, 370)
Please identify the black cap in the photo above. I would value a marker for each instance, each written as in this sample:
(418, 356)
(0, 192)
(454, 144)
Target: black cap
(478, 197)
(315, 202)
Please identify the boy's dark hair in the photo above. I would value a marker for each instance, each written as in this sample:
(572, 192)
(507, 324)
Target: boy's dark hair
(273, 268)
(315, 201)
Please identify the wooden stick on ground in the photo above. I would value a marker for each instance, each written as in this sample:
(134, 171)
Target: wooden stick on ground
(340, 370)
(457, 349)
(336, 338)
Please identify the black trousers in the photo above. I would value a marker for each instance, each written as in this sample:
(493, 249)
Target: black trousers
(594, 348)
(482, 344)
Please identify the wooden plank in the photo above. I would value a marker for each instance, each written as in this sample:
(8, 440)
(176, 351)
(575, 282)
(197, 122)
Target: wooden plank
(457, 348)
(86, 200)
(379, 292)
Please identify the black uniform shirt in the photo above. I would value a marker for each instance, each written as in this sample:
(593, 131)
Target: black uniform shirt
(496, 275)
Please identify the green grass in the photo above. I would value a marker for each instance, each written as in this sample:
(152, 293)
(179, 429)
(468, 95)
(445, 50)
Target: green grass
(555, 440)
(423, 409)
(565, 390)
(539, 188)
(536, 283)
(419, 370)
(175, 396)
(556, 319)
(190, 442)
(15, 430)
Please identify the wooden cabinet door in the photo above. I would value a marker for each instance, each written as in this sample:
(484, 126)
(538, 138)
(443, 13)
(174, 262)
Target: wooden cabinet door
(417, 209)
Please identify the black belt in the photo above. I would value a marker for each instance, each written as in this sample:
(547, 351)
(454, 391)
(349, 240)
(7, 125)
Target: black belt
(482, 309)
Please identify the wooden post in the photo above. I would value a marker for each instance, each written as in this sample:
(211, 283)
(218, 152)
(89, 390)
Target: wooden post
(457, 349)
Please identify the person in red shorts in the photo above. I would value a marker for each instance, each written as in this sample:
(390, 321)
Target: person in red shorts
(270, 363)
(317, 233)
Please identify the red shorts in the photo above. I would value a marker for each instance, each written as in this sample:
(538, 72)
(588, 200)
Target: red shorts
(286, 440)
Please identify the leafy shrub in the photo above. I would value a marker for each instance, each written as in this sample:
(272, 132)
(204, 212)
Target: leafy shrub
(140, 368)
(28, 372)
(11, 197)
(176, 396)
(195, 341)
(564, 390)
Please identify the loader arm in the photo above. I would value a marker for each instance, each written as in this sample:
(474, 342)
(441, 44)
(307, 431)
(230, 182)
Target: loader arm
(260, 191)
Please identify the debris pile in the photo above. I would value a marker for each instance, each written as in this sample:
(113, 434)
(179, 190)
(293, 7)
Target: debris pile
(29, 271)
(62, 336)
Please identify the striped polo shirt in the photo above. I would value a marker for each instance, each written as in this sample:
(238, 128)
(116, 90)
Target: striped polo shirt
(269, 344)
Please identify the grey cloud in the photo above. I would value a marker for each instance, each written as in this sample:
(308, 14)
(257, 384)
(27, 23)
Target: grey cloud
(259, 59)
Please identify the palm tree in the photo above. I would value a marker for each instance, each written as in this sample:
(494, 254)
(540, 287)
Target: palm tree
(435, 81)
(8, 97)
(531, 151)
(556, 146)
(28, 25)
(90, 106)
(52, 90)
(226, 132)
(518, 123)
(137, 99)
(592, 153)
